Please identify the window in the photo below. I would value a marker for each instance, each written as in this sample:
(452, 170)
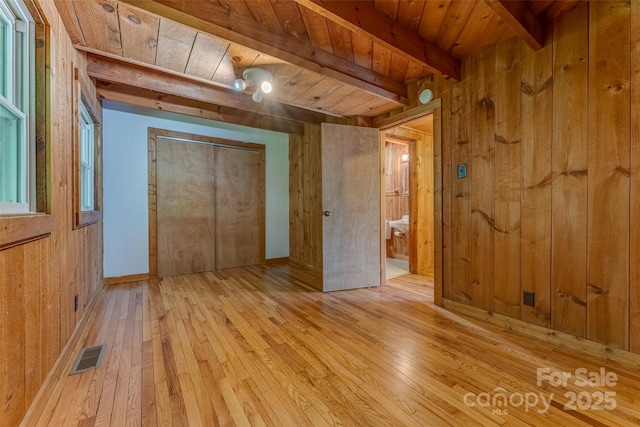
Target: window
(87, 171)
(17, 127)
(86, 153)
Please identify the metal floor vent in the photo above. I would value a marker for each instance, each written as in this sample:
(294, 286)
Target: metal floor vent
(89, 358)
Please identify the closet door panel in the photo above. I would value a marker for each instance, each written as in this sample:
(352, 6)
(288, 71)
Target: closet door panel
(240, 212)
(186, 214)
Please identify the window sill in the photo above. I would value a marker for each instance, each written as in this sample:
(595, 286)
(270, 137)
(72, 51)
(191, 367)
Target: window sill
(84, 218)
(20, 229)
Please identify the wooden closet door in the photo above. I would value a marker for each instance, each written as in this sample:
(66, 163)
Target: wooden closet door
(239, 200)
(185, 211)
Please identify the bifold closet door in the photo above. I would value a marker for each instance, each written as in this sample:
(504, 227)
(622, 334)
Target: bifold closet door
(185, 211)
(240, 212)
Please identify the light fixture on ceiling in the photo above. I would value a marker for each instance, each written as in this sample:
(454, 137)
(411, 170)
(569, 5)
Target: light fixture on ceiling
(255, 77)
(426, 96)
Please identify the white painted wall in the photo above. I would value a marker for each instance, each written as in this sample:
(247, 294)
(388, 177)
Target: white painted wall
(125, 203)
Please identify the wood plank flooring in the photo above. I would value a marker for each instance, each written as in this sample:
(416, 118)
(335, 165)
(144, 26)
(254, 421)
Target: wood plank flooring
(258, 346)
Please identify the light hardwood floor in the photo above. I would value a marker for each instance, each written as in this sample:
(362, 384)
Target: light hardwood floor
(257, 346)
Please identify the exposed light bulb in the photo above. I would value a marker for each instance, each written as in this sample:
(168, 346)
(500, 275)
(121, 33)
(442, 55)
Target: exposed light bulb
(257, 96)
(405, 157)
(266, 87)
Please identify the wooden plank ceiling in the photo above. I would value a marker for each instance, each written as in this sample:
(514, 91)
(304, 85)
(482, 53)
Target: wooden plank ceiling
(343, 58)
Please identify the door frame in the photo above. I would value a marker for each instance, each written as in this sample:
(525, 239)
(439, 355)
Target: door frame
(153, 134)
(434, 107)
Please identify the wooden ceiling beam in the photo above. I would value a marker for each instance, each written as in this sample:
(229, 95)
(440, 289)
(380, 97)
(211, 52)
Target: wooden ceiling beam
(115, 71)
(521, 19)
(364, 19)
(176, 104)
(211, 18)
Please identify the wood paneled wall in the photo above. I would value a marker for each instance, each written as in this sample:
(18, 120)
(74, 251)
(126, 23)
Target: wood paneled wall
(550, 205)
(38, 280)
(305, 198)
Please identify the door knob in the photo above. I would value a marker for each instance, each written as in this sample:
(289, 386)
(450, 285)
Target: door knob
(326, 213)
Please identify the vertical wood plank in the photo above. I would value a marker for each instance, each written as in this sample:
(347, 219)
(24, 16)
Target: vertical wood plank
(175, 42)
(482, 181)
(317, 205)
(67, 11)
(305, 206)
(290, 18)
(537, 101)
(139, 33)
(425, 193)
(437, 12)
(152, 189)
(381, 59)
(295, 143)
(507, 178)
(445, 174)
(363, 51)
(95, 36)
(65, 209)
(317, 28)
(609, 172)
(460, 188)
(52, 290)
(341, 40)
(206, 56)
(634, 322)
(438, 205)
(42, 124)
(305, 221)
(570, 164)
(12, 332)
(34, 367)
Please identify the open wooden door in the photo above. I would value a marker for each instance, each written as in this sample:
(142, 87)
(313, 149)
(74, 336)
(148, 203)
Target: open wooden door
(351, 207)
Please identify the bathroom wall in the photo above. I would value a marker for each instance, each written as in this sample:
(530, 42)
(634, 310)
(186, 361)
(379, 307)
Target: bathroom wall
(397, 196)
(126, 227)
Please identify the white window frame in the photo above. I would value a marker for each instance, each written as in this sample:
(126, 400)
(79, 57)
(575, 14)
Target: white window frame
(87, 160)
(20, 99)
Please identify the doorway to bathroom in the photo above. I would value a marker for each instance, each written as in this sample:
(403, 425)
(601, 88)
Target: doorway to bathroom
(409, 202)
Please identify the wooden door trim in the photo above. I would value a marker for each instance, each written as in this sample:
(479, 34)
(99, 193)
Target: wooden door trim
(152, 188)
(435, 108)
